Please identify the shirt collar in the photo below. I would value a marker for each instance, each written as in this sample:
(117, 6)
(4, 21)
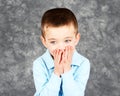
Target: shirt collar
(48, 59)
(76, 60)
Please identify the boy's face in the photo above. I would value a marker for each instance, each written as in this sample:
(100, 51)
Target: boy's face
(60, 37)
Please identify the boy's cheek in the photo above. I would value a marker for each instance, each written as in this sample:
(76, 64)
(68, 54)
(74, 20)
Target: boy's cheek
(70, 47)
(52, 51)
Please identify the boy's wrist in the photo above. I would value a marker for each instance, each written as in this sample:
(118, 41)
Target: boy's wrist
(67, 69)
(56, 73)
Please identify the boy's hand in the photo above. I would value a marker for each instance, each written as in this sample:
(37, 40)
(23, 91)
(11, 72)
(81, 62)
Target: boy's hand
(67, 58)
(62, 60)
(57, 54)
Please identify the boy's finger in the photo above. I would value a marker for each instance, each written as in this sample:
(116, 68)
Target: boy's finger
(57, 55)
(66, 52)
(70, 53)
(65, 55)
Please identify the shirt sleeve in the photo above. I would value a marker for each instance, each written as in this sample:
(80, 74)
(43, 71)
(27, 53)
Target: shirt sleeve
(45, 87)
(74, 83)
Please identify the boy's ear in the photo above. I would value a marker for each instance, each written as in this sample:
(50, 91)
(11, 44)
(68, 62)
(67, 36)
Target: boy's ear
(43, 41)
(77, 38)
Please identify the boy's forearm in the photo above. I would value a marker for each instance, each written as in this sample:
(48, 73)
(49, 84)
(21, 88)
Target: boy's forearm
(72, 87)
(51, 88)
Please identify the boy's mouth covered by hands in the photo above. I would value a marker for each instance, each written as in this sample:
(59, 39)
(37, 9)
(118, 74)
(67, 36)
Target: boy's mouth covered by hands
(62, 60)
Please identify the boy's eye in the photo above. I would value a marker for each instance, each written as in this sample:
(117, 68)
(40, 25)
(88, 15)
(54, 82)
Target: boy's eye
(52, 42)
(67, 41)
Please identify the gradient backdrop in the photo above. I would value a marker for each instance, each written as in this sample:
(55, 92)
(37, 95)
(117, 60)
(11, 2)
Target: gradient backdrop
(99, 25)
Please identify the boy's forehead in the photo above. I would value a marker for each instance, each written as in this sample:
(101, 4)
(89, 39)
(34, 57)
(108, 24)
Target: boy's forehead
(59, 32)
(65, 27)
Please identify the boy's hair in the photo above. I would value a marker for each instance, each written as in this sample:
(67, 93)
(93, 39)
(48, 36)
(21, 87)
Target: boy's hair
(58, 17)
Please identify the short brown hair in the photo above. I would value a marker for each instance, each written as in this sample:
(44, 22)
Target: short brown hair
(58, 17)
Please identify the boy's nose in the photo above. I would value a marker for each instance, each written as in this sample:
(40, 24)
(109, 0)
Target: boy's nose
(61, 47)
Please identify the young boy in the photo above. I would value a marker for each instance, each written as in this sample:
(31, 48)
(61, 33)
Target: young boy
(61, 70)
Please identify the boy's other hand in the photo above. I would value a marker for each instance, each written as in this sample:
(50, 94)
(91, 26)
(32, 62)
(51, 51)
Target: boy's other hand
(58, 67)
(67, 58)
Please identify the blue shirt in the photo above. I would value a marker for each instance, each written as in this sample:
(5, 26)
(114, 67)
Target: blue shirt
(71, 83)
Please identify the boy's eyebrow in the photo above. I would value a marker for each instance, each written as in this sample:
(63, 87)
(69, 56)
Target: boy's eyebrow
(51, 39)
(68, 37)
(55, 39)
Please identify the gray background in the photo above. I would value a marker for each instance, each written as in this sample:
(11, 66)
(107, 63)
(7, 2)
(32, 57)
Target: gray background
(99, 25)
